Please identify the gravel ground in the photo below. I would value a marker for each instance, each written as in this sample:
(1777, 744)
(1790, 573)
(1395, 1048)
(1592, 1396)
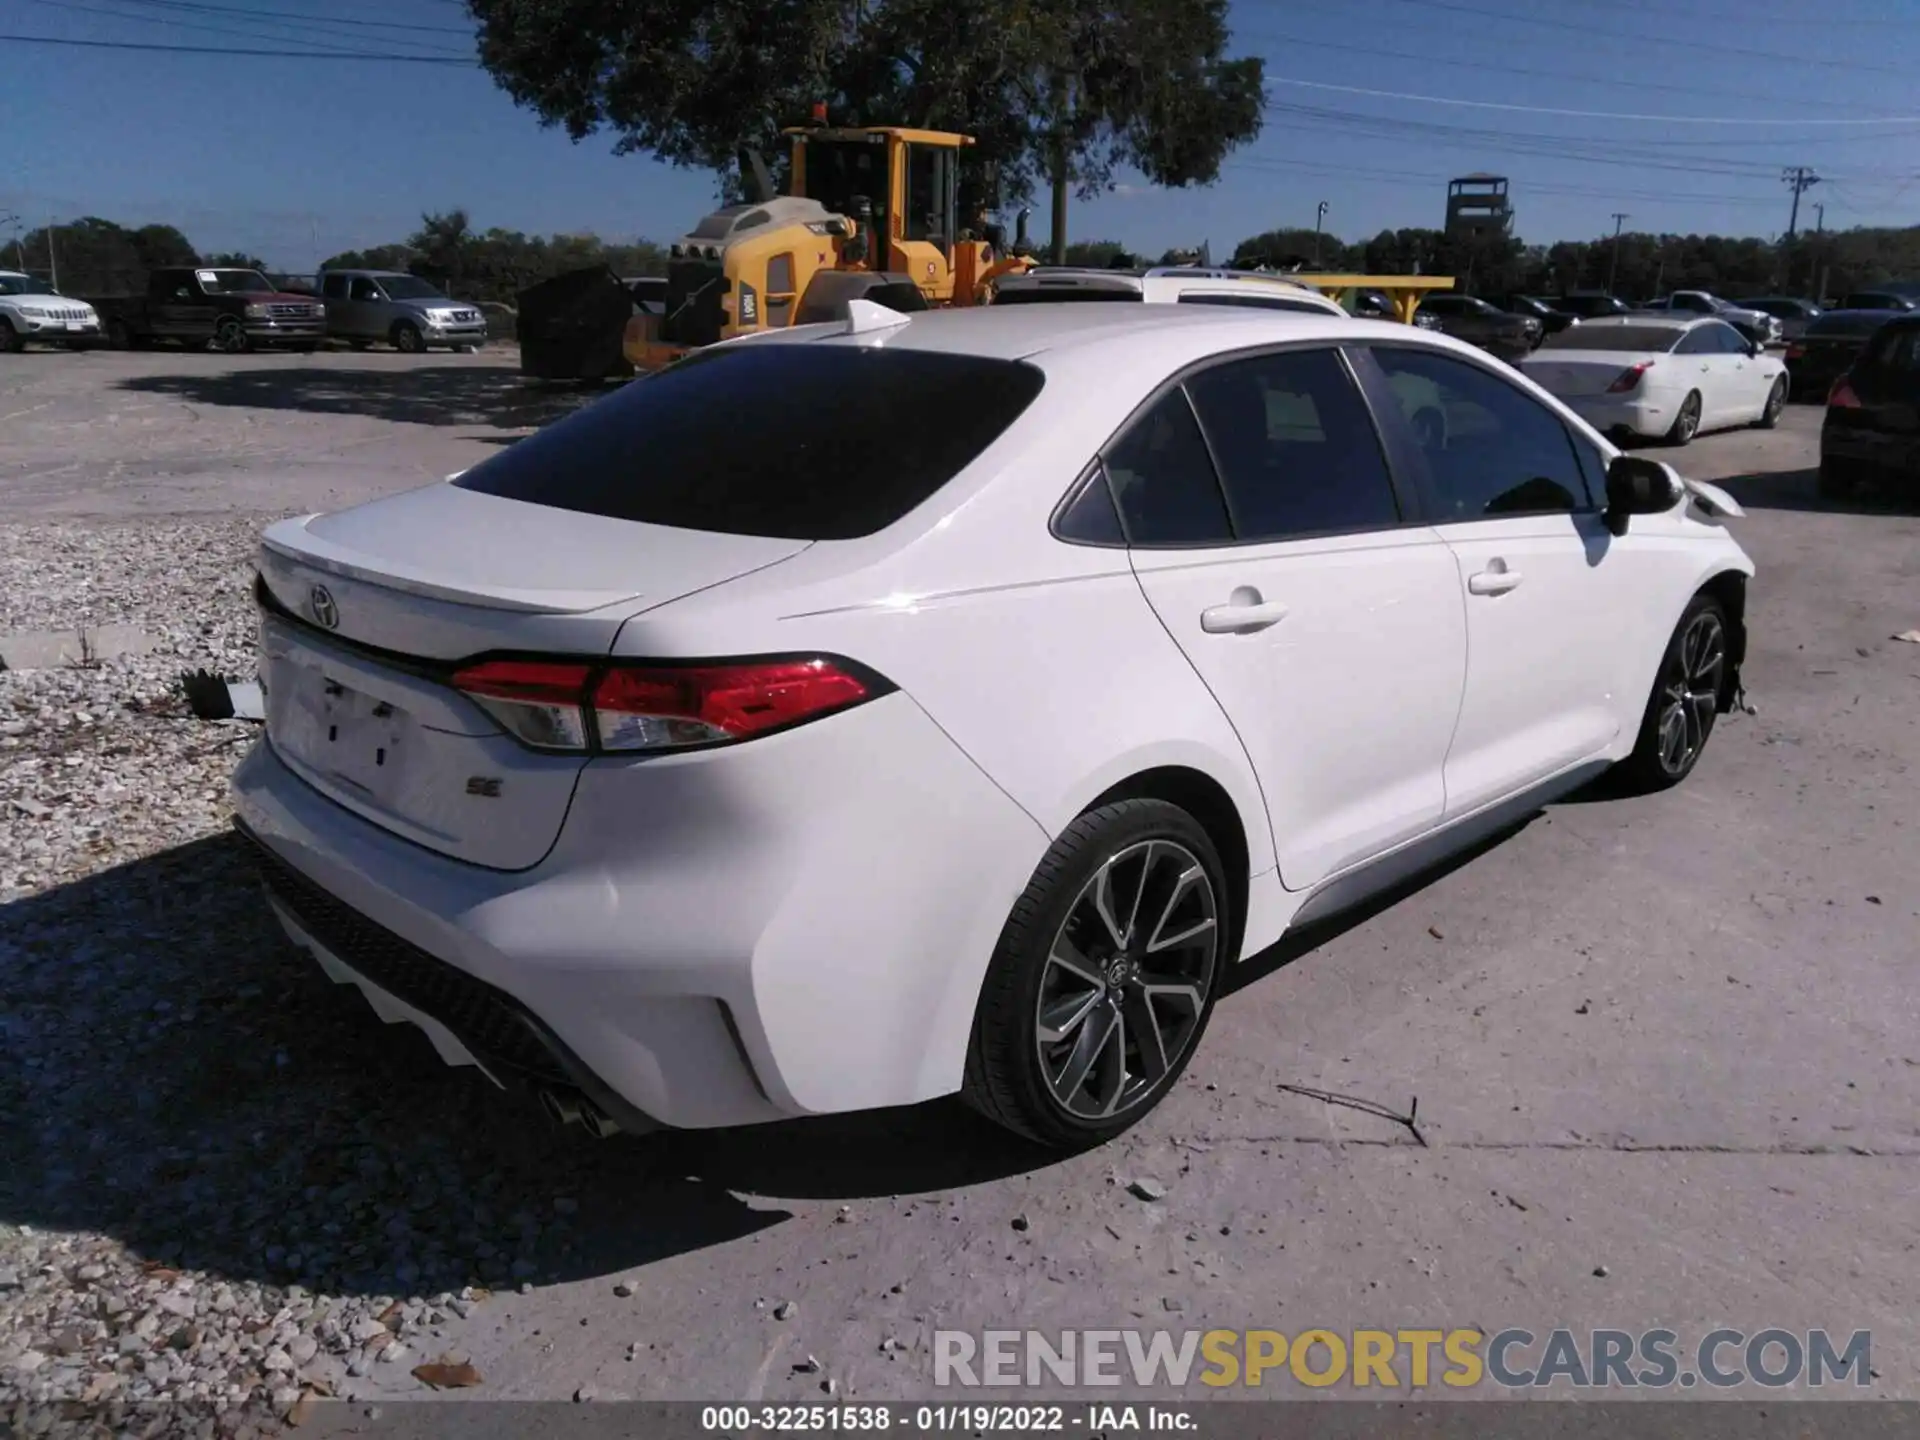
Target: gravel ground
(1683, 1069)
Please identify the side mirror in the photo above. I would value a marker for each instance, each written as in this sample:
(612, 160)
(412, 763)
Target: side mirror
(1754, 347)
(1638, 486)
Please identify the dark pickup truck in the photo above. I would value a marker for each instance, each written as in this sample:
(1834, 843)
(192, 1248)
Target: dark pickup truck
(230, 310)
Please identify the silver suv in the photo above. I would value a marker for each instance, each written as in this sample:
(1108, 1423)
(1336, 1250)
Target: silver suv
(405, 311)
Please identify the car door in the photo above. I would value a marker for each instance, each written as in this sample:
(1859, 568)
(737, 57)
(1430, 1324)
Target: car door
(1539, 575)
(1753, 374)
(1276, 548)
(365, 302)
(334, 294)
(1706, 367)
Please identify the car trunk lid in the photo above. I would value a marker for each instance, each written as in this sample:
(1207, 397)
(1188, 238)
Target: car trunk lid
(368, 613)
(1587, 372)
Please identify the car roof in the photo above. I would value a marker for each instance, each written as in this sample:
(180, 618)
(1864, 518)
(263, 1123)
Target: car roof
(1653, 319)
(1161, 278)
(1019, 332)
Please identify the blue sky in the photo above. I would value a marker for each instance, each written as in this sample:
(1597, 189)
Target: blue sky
(295, 159)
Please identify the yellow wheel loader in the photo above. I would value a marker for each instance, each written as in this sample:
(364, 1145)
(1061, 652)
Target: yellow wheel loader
(872, 212)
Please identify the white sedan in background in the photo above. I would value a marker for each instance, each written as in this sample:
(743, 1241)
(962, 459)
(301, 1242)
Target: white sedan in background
(1655, 378)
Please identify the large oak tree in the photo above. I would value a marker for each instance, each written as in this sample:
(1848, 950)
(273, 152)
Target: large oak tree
(1061, 91)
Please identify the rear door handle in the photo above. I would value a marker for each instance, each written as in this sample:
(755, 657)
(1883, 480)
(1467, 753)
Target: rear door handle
(1493, 582)
(1243, 614)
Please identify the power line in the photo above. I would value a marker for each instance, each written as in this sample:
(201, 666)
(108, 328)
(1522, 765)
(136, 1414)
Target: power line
(227, 50)
(1574, 27)
(1503, 68)
(68, 6)
(340, 21)
(1797, 120)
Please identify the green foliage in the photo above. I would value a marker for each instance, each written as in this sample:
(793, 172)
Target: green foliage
(1649, 265)
(235, 260)
(1144, 83)
(99, 257)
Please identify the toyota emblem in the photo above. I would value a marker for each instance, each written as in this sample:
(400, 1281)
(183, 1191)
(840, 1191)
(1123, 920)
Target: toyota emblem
(326, 614)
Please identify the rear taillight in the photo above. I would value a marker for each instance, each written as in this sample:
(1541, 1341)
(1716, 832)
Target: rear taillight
(1841, 396)
(1796, 351)
(565, 706)
(1629, 377)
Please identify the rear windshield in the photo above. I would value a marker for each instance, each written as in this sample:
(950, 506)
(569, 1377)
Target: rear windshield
(1848, 322)
(798, 442)
(1055, 294)
(1614, 337)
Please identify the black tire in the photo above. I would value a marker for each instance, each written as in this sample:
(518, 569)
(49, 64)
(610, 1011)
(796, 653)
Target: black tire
(118, 335)
(10, 341)
(1687, 692)
(230, 336)
(407, 338)
(1007, 1077)
(1686, 424)
(1839, 479)
(1776, 402)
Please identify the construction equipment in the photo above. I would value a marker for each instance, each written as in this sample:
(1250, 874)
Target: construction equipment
(871, 212)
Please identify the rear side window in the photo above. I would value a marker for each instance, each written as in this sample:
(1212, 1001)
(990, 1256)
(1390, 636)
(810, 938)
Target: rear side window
(1297, 449)
(1163, 479)
(797, 442)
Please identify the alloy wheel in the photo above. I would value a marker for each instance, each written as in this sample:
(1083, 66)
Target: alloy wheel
(1688, 423)
(1127, 979)
(230, 336)
(1776, 401)
(1690, 693)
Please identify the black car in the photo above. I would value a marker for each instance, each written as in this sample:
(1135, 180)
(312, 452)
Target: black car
(1552, 320)
(1509, 337)
(1879, 300)
(1872, 427)
(1587, 304)
(1828, 347)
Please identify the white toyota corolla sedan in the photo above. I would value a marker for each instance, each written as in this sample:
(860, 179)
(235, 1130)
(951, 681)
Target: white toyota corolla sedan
(856, 714)
(1651, 377)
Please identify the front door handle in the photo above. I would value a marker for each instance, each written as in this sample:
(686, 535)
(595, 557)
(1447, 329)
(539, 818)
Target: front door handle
(1244, 613)
(1493, 582)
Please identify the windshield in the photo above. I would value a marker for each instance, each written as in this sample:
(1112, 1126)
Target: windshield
(1636, 338)
(838, 170)
(854, 452)
(233, 282)
(410, 287)
(24, 285)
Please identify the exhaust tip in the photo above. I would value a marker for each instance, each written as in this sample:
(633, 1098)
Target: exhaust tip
(569, 1109)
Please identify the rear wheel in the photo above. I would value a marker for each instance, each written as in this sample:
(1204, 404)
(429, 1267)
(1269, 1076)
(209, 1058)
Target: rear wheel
(1685, 701)
(1776, 402)
(1686, 424)
(1104, 977)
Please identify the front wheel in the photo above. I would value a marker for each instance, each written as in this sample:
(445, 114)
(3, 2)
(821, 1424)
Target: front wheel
(230, 336)
(10, 341)
(1104, 977)
(1776, 402)
(407, 338)
(1686, 424)
(1686, 699)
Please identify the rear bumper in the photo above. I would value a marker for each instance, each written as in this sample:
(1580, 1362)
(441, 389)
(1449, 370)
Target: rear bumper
(1608, 413)
(1892, 454)
(797, 926)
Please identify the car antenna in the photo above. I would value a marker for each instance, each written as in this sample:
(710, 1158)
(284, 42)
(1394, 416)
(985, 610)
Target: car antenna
(865, 317)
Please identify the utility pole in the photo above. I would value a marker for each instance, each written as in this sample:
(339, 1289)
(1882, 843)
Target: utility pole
(8, 218)
(1319, 218)
(1620, 217)
(53, 261)
(1802, 179)
(1819, 218)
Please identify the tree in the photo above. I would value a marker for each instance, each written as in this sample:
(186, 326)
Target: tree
(236, 260)
(1068, 90)
(92, 256)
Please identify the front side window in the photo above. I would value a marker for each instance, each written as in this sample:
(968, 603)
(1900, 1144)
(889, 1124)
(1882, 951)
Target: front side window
(1296, 446)
(1163, 479)
(1727, 340)
(1491, 450)
(364, 289)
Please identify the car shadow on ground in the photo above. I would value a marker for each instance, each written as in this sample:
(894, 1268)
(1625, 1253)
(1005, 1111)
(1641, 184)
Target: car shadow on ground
(1800, 490)
(469, 395)
(176, 1075)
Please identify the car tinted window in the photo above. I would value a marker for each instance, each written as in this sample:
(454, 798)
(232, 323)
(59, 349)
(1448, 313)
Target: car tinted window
(803, 442)
(1491, 449)
(1728, 340)
(1163, 479)
(1257, 302)
(1658, 338)
(1696, 342)
(334, 287)
(1296, 446)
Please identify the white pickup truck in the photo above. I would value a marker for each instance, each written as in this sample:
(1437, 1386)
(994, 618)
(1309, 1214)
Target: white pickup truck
(31, 310)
